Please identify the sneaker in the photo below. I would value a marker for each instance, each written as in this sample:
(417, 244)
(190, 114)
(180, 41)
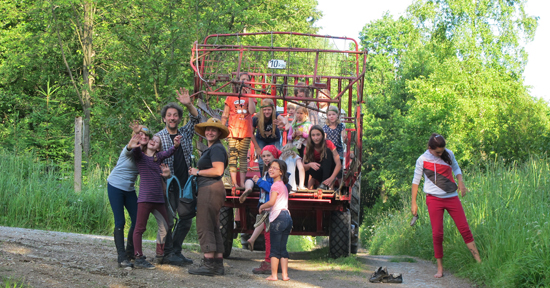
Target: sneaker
(265, 268)
(379, 275)
(125, 264)
(393, 278)
(141, 263)
(172, 259)
(186, 261)
(323, 187)
(260, 218)
(159, 259)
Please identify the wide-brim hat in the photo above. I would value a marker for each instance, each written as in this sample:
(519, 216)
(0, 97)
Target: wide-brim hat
(212, 122)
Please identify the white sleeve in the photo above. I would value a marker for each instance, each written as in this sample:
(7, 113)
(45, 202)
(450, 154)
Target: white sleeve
(418, 170)
(456, 169)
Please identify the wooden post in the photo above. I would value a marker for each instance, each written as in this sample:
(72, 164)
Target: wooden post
(78, 154)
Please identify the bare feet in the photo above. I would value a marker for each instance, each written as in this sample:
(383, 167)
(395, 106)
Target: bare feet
(250, 244)
(438, 274)
(286, 278)
(271, 278)
(245, 194)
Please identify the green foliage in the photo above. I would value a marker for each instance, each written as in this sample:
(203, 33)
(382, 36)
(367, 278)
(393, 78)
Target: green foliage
(452, 68)
(507, 210)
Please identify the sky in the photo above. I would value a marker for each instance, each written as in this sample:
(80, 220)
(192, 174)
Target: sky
(348, 17)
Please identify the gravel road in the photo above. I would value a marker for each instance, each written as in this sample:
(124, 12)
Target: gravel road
(56, 259)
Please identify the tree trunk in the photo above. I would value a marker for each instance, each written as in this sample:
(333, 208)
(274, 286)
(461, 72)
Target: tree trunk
(87, 71)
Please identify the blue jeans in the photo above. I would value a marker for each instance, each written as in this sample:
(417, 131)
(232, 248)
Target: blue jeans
(280, 230)
(120, 199)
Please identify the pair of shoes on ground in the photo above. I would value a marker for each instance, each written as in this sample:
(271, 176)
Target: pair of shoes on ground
(381, 275)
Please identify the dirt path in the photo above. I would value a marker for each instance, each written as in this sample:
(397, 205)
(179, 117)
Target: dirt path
(56, 259)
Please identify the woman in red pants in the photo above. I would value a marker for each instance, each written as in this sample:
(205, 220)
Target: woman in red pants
(438, 165)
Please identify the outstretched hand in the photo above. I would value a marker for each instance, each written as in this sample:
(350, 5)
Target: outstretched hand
(177, 141)
(183, 96)
(134, 142)
(135, 126)
(165, 171)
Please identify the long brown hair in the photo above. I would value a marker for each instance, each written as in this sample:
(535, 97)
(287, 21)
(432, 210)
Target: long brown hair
(261, 118)
(437, 141)
(310, 147)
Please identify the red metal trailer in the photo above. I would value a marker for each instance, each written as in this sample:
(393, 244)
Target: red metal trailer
(277, 62)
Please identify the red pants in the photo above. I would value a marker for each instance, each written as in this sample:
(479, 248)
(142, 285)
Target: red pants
(267, 237)
(143, 211)
(436, 209)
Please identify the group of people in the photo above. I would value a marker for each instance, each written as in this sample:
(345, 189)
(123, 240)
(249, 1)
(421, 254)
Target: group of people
(313, 155)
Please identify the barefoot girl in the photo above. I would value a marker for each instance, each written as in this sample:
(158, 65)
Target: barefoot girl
(438, 165)
(279, 217)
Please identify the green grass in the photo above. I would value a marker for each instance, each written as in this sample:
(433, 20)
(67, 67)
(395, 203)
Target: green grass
(508, 212)
(402, 259)
(39, 195)
(9, 282)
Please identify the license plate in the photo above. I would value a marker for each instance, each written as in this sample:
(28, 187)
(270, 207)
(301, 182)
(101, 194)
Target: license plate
(276, 64)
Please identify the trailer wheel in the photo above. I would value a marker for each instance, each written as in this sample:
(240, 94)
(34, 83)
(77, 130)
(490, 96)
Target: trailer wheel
(340, 234)
(355, 207)
(226, 227)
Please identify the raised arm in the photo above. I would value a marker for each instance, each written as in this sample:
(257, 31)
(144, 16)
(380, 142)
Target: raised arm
(185, 100)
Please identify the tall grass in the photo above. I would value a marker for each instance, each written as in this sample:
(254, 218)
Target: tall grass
(508, 212)
(40, 195)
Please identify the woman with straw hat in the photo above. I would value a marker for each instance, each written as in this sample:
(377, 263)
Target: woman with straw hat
(211, 196)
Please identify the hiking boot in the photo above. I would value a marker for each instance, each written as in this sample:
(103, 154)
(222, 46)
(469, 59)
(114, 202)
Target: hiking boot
(218, 265)
(172, 259)
(159, 259)
(265, 268)
(206, 268)
(186, 261)
(130, 245)
(141, 263)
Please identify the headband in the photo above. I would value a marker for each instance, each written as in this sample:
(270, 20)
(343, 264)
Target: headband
(273, 150)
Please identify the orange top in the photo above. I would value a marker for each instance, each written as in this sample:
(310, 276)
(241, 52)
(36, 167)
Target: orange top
(240, 119)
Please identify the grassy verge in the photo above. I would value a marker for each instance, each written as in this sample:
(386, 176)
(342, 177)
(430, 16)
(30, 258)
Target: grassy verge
(36, 194)
(508, 212)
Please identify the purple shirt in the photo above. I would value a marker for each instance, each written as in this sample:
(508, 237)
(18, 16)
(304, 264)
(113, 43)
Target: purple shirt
(150, 184)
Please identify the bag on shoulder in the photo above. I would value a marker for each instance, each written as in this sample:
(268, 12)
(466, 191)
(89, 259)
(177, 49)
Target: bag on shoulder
(187, 206)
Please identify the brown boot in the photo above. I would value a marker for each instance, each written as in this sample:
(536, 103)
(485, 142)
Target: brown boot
(207, 268)
(265, 268)
(218, 264)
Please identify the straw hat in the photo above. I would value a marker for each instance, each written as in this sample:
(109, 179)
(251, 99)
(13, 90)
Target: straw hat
(212, 122)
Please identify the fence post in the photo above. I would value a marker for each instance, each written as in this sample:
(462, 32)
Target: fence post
(78, 154)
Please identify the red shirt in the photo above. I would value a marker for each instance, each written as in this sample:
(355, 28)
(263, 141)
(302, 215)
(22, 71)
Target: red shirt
(317, 154)
(240, 119)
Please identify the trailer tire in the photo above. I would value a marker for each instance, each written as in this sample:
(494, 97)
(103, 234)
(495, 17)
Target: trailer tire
(226, 227)
(339, 241)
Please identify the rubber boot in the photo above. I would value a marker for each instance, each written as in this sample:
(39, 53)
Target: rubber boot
(207, 268)
(130, 244)
(119, 243)
(218, 264)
